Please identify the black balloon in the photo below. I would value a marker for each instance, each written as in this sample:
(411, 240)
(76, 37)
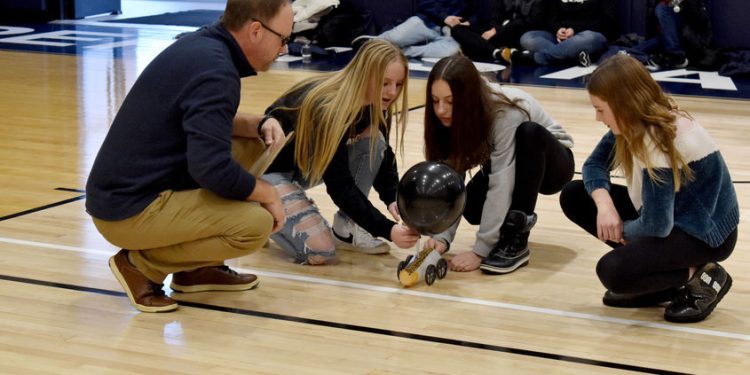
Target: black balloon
(431, 197)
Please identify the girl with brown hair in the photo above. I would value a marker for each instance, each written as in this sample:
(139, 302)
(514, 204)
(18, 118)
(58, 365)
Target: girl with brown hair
(521, 152)
(678, 215)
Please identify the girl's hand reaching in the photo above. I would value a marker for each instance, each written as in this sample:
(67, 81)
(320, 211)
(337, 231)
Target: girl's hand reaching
(435, 244)
(403, 236)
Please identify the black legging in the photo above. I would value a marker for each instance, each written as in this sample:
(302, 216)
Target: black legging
(645, 265)
(543, 165)
(477, 48)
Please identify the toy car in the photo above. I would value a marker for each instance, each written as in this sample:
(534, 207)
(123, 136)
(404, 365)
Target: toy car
(427, 264)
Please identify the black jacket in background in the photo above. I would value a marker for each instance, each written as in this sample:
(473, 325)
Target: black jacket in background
(512, 18)
(580, 15)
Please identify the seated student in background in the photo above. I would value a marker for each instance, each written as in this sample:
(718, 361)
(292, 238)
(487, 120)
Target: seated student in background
(423, 35)
(501, 38)
(689, 29)
(676, 218)
(341, 123)
(576, 31)
(522, 151)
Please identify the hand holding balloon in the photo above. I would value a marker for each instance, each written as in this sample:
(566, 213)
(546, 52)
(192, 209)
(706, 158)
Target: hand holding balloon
(403, 236)
(393, 209)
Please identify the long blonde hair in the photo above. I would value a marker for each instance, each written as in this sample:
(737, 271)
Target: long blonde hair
(333, 105)
(640, 108)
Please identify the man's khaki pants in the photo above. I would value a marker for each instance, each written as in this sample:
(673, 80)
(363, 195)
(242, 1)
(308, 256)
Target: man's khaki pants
(190, 229)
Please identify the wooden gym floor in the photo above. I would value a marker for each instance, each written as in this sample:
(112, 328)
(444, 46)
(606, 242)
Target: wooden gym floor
(61, 310)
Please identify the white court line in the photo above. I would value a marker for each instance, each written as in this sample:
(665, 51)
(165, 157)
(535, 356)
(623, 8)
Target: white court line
(435, 296)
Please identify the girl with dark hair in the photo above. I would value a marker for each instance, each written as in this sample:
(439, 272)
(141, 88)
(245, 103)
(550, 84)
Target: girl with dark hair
(678, 215)
(521, 152)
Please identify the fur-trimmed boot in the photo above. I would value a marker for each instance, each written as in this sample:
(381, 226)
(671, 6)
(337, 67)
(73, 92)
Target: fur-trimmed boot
(512, 250)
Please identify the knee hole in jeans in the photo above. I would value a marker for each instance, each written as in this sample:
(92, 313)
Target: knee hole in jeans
(319, 239)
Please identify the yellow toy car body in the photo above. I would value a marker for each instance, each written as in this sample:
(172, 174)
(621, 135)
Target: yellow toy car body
(426, 265)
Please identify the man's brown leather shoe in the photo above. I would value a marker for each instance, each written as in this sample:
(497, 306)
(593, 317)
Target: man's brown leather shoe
(143, 293)
(219, 278)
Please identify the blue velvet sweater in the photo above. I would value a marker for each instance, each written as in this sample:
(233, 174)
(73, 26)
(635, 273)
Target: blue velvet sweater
(705, 208)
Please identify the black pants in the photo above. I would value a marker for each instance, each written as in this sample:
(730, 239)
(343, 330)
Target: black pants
(543, 165)
(477, 48)
(648, 264)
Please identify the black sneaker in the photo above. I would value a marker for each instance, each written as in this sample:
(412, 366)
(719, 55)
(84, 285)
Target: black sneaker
(700, 295)
(584, 59)
(660, 61)
(512, 251)
(629, 300)
(655, 62)
(680, 63)
(524, 57)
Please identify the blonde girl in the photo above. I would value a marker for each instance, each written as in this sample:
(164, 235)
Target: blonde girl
(342, 122)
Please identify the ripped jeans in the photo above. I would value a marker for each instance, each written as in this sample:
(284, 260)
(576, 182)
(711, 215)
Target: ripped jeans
(306, 235)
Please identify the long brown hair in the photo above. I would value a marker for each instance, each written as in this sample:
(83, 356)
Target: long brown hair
(641, 108)
(468, 141)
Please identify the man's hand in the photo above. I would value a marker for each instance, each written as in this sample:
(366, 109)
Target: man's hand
(271, 133)
(269, 198)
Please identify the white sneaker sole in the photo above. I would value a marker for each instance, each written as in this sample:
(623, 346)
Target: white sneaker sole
(503, 270)
(213, 287)
(381, 249)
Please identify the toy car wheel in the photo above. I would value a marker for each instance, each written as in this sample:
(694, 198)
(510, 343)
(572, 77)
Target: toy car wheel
(442, 268)
(430, 274)
(401, 266)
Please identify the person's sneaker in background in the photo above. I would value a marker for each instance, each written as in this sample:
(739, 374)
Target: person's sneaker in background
(524, 57)
(659, 61)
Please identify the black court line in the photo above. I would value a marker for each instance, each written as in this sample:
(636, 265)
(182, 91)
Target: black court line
(70, 190)
(37, 209)
(365, 329)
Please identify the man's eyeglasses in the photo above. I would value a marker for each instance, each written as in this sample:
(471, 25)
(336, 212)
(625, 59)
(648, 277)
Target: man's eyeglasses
(284, 39)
